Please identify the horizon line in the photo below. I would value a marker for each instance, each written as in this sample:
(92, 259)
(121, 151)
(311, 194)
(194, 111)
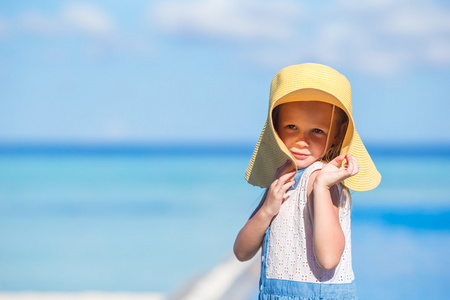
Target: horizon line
(194, 148)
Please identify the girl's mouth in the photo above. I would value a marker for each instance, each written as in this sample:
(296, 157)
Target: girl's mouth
(300, 155)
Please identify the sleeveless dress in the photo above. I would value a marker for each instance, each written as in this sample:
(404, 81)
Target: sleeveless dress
(289, 269)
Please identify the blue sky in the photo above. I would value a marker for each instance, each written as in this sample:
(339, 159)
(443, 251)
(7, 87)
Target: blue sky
(106, 71)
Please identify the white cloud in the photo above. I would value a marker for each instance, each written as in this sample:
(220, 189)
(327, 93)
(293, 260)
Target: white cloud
(378, 36)
(398, 35)
(385, 37)
(92, 26)
(381, 36)
(87, 18)
(438, 51)
(227, 19)
(73, 17)
(368, 5)
(418, 20)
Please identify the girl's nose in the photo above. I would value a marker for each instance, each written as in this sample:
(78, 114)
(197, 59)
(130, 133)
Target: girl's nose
(302, 140)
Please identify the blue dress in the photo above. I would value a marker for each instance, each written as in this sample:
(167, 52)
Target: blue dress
(289, 269)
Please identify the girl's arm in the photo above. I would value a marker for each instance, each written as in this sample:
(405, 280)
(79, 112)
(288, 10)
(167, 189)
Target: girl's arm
(324, 202)
(251, 236)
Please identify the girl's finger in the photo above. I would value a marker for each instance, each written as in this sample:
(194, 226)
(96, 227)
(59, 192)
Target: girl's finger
(356, 164)
(274, 184)
(282, 182)
(286, 178)
(284, 199)
(287, 185)
(349, 169)
(352, 165)
(287, 175)
(338, 160)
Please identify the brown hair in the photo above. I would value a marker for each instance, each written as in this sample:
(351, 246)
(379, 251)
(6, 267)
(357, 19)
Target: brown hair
(340, 123)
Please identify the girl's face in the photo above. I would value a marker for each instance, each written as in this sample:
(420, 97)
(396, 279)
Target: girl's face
(303, 128)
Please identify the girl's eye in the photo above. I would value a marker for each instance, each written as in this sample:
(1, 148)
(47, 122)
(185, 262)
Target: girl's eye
(317, 130)
(291, 126)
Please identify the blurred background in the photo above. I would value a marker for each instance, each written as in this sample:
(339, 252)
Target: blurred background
(126, 128)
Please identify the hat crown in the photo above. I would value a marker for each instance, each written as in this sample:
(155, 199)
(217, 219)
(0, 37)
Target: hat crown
(311, 76)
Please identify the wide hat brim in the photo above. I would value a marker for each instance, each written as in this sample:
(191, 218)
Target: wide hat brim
(309, 82)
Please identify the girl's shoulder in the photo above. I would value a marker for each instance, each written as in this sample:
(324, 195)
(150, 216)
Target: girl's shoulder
(312, 170)
(310, 175)
(318, 165)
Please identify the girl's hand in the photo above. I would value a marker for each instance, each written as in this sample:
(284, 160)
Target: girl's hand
(276, 194)
(331, 173)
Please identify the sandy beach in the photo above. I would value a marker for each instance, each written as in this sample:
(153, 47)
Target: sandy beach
(230, 279)
(79, 296)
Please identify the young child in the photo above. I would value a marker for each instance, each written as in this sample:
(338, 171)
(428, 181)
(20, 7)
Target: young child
(308, 157)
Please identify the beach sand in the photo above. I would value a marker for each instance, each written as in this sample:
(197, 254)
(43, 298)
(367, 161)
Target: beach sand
(230, 279)
(78, 296)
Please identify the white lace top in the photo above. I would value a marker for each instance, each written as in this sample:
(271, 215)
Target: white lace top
(290, 253)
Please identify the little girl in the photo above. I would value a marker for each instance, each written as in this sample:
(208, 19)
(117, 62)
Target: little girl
(308, 157)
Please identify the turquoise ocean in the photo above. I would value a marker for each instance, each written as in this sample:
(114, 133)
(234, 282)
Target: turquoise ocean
(146, 220)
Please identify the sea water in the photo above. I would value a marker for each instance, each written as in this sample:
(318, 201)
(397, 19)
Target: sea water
(117, 223)
(152, 223)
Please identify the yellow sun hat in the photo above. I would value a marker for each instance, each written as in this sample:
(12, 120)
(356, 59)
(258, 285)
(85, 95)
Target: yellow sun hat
(309, 82)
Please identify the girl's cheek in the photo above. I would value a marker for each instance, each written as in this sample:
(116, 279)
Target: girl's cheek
(319, 138)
